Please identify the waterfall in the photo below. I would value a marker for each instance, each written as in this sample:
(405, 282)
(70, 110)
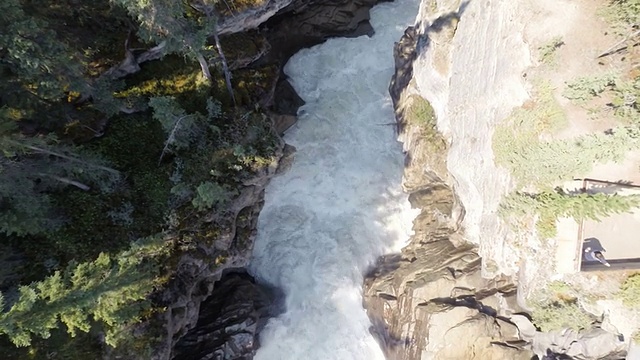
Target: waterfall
(341, 204)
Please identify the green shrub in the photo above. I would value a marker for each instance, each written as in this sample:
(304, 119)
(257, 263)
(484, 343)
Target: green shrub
(626, 100)
(548, 50)
(557, 308)
(210, 194)
(550, 205)
(624, 95)
(630, 291)
(588, 87)
(560, 314)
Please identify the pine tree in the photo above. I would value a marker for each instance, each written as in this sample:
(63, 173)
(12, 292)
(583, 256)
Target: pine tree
(38, 68)
(32, 167)
(112, 291)
(180, 27)
(182, 129)
(546, 162)
(551, 205)
(585, 206)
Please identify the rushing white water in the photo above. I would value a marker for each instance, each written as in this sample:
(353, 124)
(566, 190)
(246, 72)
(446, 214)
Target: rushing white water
(341, 205)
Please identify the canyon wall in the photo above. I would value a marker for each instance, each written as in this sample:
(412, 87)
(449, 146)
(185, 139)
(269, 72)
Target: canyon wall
(433, 291)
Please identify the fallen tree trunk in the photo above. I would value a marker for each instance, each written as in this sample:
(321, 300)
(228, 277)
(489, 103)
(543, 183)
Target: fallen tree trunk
(131, 63)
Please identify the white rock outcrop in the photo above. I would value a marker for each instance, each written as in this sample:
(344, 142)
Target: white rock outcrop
(470, 68)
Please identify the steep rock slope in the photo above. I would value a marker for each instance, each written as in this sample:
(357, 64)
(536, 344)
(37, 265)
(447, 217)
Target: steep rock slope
(471, 71)
(433, 291)
(468, 62)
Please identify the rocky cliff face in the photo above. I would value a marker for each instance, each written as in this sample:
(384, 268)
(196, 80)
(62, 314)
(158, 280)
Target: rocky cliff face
(250, 18)
(451, 293)
(469, 65)
(199, 270)
(433, 291)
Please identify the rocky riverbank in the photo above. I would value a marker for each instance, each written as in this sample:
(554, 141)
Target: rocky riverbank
(433, 291)
(457, 290)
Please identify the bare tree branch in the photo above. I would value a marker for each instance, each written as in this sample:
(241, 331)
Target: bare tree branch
(63, 156)
(209, 11)
(131, 63)
(610, 50)
(225, 67)
(204, 66)
(67, 181)
(172, 136)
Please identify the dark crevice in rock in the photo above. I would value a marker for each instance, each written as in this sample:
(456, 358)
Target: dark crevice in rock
(468, 301)
(404, 53)
(230, 320)
(287, 101)
(303, 24)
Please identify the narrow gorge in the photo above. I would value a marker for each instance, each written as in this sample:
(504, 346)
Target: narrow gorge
(340, 205)
(319, 179)
(422, 235)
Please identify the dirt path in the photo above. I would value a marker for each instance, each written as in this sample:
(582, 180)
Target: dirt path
(584, 35)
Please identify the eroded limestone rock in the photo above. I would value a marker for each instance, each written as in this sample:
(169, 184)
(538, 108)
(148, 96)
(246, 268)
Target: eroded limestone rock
(430, 301)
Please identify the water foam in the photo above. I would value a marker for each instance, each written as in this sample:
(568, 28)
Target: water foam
(341, 205)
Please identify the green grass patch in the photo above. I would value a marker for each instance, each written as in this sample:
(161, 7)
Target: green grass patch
(550, 205)
(420, 113)
(548, 50)
(630, 291)
(622, 14)
(557, 308)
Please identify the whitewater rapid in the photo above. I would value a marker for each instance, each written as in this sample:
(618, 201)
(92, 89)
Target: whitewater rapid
(341, 204)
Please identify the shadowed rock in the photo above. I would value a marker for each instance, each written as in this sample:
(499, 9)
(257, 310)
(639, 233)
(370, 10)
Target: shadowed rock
(229, 321)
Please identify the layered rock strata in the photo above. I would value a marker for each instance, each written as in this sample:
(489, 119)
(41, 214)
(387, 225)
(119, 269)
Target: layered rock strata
(419, 301)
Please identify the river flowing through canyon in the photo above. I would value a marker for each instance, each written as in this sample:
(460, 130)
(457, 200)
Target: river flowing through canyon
(341, 205)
